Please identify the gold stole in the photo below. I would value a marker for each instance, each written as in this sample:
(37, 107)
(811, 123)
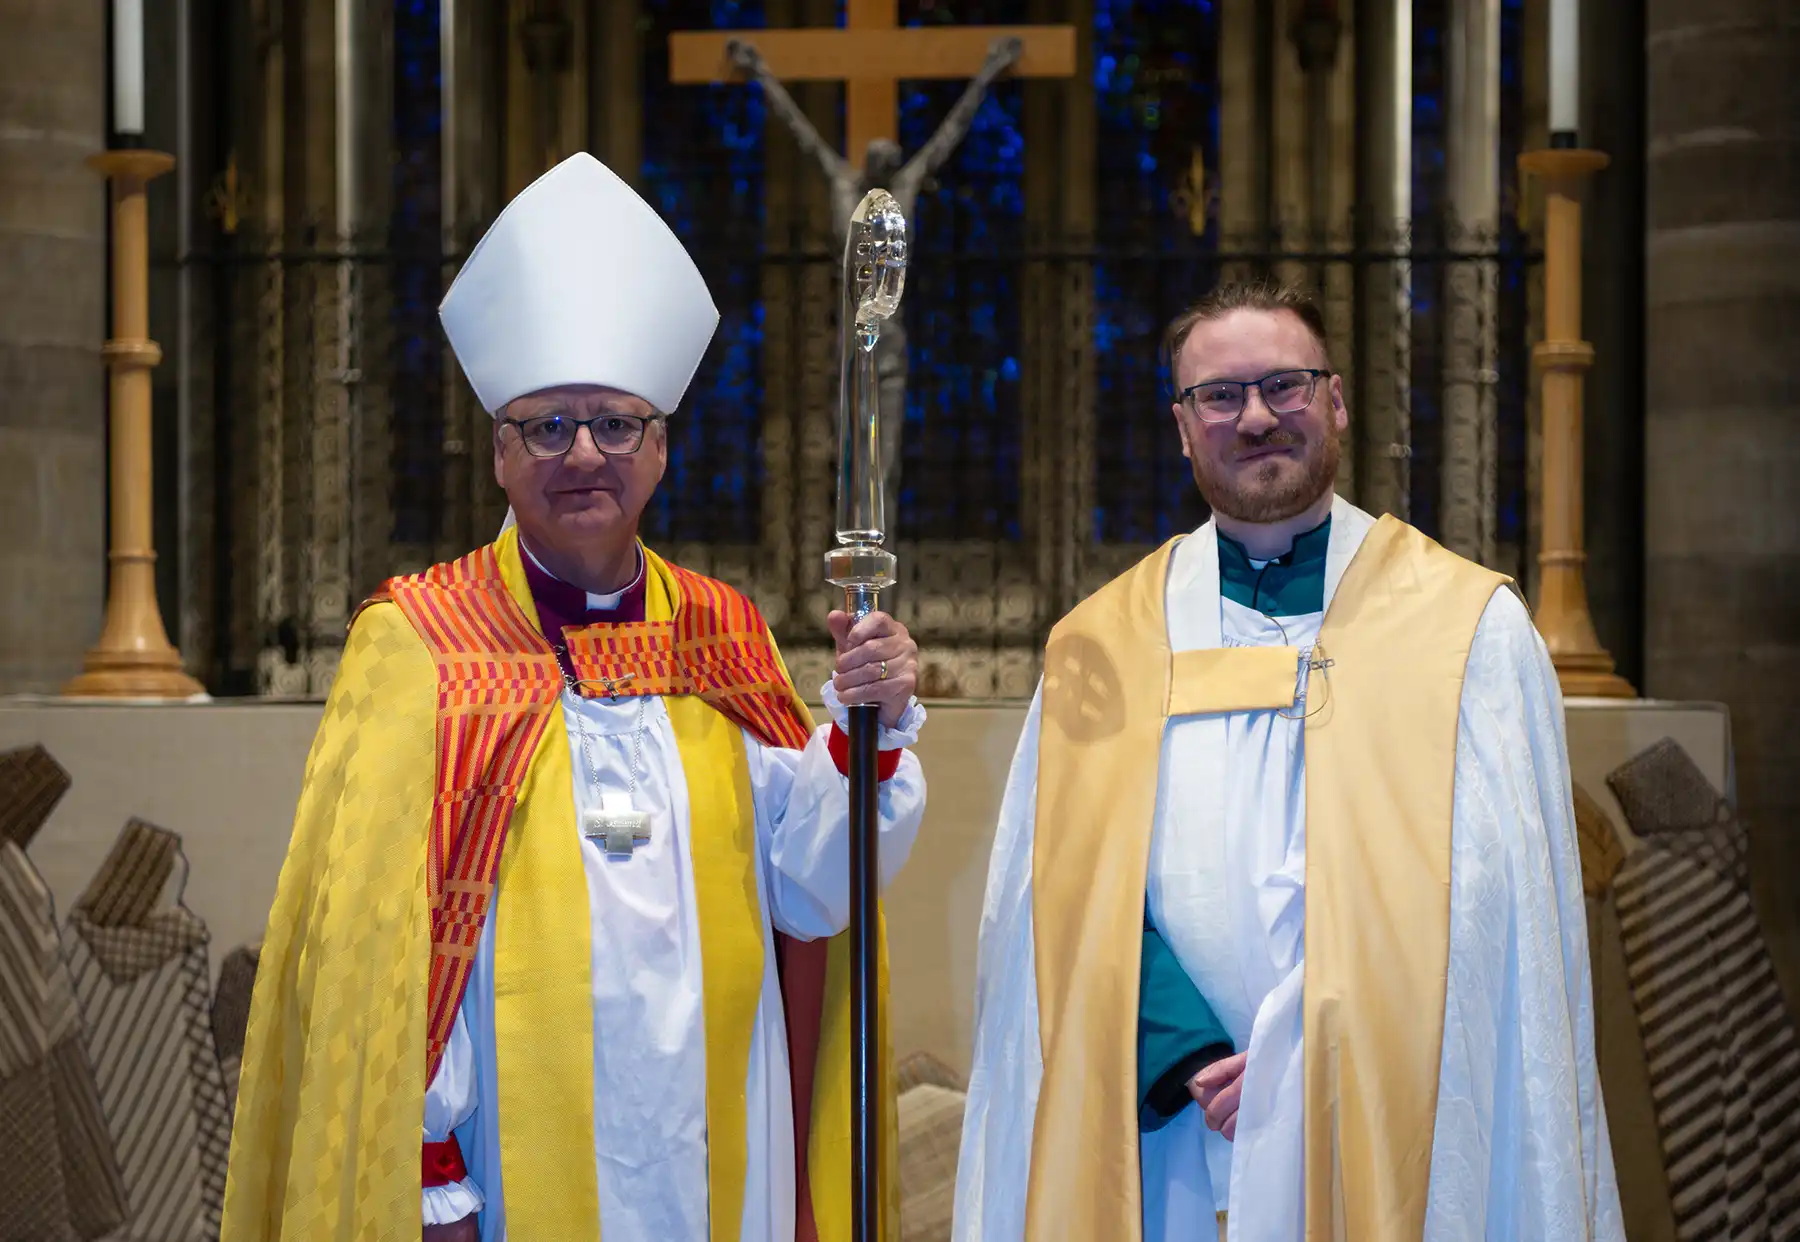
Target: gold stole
(1380, 770)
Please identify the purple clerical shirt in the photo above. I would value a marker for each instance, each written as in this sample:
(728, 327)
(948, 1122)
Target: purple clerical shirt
(561, 606)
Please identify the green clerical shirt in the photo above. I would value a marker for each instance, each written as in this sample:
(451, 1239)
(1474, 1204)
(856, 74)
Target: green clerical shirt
(1178, 1033)
(1291, 585)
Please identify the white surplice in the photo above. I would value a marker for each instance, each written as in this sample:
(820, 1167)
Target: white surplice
(649, 1033)
(1520, 1145)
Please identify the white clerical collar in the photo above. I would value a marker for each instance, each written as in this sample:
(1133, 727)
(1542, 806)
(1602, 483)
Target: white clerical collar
(601, 603)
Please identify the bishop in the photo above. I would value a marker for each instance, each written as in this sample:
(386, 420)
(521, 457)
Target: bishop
(556, 950)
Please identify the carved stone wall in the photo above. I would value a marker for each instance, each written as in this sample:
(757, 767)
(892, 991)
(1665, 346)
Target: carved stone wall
(52, 321)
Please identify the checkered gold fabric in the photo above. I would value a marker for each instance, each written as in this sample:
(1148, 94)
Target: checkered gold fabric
(332, 1086)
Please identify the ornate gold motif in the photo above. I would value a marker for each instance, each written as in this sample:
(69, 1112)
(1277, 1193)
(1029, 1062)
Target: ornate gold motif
(228, 200)
(1196, 194)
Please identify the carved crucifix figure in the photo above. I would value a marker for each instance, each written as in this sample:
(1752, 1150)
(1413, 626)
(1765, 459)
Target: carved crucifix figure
(881, 166)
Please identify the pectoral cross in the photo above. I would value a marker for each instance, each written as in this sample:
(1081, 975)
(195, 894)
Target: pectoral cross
(618, 824)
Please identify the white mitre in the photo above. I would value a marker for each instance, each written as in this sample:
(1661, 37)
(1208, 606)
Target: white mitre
(579, 282)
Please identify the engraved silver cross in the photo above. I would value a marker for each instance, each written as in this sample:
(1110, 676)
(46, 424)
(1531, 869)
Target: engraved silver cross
(619, 825)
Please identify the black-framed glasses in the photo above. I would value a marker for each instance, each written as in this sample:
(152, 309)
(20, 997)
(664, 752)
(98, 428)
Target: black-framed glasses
(552, 435)
(1221, 401)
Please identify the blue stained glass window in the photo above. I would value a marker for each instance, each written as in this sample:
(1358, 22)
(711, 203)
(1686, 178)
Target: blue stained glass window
(415, 242)
(1157, 93)
(703, 170)
(961, 448)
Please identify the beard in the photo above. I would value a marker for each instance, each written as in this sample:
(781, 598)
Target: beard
(1271, 489)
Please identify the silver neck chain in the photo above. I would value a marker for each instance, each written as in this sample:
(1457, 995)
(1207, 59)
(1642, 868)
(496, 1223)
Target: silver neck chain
(587, 742)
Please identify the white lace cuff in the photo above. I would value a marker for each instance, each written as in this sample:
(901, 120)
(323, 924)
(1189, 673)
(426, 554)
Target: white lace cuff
(897, 738)
(445, 1205)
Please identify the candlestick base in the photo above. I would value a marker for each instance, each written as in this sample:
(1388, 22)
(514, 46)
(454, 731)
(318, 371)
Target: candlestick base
(1593, 684)
(133, 658)
(121, 675)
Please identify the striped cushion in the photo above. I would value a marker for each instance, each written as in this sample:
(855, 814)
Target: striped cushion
(1719, 1042)
(60, 1179)
(31, 784)
(144, 992)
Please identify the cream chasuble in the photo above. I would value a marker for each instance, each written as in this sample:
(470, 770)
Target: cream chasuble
(1442, 1104)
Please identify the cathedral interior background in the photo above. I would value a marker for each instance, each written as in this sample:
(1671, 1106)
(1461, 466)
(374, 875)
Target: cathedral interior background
(336, 160)
(315, 435)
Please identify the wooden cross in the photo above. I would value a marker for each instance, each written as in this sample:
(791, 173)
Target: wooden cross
(870, 55)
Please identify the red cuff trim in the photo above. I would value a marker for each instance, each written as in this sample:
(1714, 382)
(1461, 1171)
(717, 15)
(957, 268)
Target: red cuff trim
(443, 1163)
(887, 762)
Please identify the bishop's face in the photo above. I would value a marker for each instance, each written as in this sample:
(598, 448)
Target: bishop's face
(570, 501)
(1262, 465)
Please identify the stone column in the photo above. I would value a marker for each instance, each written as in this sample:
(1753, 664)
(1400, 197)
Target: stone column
(1472, 190)
(474, 140)
(52, 319)
(1382, 401)
(1246, 206)
(1322, 35)
(1612, 315)
(616, 96)
(1078, 230)
(546, 87)
(799, 358)
(1041, 482)
(1722, 509)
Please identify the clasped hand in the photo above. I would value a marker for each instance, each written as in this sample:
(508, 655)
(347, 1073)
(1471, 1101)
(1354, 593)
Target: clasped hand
(1217, 1089)
(877, 662)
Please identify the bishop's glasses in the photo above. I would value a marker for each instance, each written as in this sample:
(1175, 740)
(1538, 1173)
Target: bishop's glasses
(552, 435)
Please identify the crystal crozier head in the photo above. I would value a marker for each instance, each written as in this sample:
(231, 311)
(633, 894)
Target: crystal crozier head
(874, 278)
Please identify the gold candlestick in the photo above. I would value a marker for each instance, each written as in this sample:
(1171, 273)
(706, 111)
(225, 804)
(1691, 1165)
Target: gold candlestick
(133, 658)
(1583, 666)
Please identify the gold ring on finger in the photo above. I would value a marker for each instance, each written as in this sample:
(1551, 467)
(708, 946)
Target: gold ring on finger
(883, 676)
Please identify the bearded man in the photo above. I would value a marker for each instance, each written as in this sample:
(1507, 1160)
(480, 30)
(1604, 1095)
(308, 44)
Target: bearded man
(1299, 775)
(556, 951)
